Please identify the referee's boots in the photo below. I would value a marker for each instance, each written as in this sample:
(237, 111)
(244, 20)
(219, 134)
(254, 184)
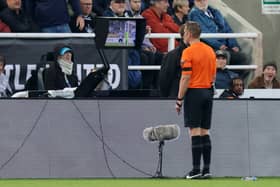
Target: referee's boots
(206, 174)
(194, 174)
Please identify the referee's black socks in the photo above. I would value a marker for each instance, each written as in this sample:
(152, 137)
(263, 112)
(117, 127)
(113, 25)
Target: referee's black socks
(196, 151)
(206, 151)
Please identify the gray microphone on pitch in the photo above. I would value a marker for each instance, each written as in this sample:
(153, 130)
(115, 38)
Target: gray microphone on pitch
(161, 132)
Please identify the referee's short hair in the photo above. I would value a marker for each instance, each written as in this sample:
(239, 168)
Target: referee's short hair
(193, 28)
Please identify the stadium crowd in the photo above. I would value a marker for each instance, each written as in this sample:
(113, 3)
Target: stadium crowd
(162, 16)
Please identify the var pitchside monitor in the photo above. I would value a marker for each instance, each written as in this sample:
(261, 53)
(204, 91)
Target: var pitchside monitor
(114, 32)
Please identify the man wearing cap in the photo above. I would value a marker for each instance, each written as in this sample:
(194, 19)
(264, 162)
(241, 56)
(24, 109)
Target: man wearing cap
(117, 8)
(223, 76)
(60, 74)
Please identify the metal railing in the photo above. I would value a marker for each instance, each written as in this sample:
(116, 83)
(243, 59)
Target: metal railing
(171, 43)
(232, 67)
(172, 36)
(257, 48)
(46, 35)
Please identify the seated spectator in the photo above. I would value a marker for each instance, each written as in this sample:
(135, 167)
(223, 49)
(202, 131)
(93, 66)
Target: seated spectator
(117, 8)
(160, 22)
(87, 15)
(170, 10)
(170, 71)
(236, 89)
(5, 89)
(212, 21)
(181, 10)
(15, 18)
(134, 7)
(223, 76)
(268, 78)
(52, 16)
(60, 74)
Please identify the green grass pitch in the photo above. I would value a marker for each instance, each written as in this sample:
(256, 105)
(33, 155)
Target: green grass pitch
(215, 182)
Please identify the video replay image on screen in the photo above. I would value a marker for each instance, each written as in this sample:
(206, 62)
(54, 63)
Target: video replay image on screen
(124, 33)
(121, 33)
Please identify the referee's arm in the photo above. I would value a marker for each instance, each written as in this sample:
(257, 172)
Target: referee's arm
(184, 83)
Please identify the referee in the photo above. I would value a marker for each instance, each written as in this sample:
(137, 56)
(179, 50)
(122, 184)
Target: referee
(198, 64)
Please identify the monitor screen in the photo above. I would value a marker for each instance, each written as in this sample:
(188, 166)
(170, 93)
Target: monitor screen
(114, 32)
(121, 33)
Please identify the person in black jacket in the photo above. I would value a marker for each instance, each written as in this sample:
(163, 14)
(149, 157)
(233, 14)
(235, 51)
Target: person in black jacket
(236, 89)
(15, 18)
(170, 71)
(60, 74)
(117, 8)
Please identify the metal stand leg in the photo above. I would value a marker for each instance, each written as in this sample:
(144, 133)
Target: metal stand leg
(160, 154)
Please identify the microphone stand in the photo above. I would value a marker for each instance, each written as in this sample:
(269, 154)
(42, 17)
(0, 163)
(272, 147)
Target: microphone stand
(160, 154)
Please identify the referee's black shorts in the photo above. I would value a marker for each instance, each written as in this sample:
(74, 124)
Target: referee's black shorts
(198, 104)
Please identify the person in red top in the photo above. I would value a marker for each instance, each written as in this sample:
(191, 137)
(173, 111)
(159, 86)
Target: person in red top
(198, 64)
(160, 22)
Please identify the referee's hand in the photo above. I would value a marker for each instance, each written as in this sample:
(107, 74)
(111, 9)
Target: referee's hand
(178, 106)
